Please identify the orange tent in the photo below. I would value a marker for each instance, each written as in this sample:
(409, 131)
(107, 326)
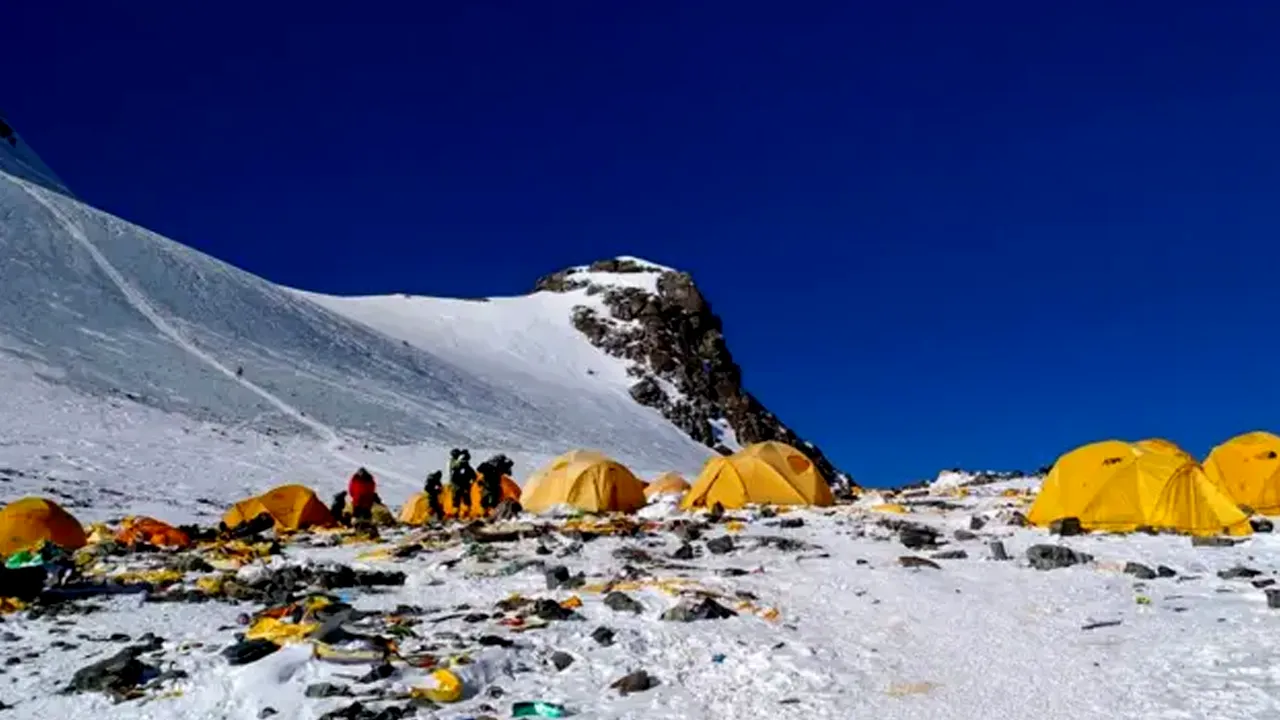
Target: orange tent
(667, 483)
(30, 521)
(293, 507)
(150, 531)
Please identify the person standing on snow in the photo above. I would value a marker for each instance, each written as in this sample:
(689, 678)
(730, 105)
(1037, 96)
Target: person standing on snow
(432, 489)
(363, 492)
(461, 475)
(491, 472)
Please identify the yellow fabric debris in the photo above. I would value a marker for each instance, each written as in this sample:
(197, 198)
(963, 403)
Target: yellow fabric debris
(211, 584)
(446, 688)
(280, 632)
(166, 576)
(571, 603)
(11, 605)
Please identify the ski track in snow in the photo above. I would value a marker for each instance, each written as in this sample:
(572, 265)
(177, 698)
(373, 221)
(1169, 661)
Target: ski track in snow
(333, 441)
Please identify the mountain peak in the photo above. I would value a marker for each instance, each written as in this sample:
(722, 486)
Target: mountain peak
(17, 158)
(655, 317)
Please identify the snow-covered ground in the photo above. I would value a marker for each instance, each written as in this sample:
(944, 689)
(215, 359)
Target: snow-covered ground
(856, 635)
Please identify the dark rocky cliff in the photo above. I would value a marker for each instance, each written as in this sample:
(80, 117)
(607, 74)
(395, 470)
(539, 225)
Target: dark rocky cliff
(679, 358)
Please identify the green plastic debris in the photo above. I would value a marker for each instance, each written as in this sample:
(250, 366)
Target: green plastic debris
(538, 709)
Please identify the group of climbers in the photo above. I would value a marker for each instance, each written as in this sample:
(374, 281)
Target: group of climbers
(357, 503)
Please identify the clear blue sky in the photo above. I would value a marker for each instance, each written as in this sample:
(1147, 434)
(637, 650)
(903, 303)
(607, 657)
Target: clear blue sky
(940, 234)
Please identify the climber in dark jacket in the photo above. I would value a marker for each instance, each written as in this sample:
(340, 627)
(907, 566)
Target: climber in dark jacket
(491, 473)
(432, 489)
(461, 475)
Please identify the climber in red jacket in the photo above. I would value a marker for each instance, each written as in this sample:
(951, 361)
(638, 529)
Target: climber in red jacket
(363, 492)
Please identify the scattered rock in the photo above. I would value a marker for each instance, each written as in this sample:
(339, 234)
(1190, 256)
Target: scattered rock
(1202, 541)
(1263, 583)
(918, 537)
(965, 535)
(911, 561)
(382, 672)
(117, 675)
(686, 530)
(950, 555)
(1239, 572)
(193, 564)
(1066, 527)
(1015, 518)
(1262, 525)
(684, 552)
(551, 610)
(357, 711)
(997, 551)
(1140, 571)
(790, 523)
(1050, 557)
(559, 577)
(977, 522)
(1102, 624)
(622, 602)
(720, 545)
(267, 712)
(494, 641)
(1165, 571)
(1273, 598)
(716, 513)
(561, 660)
(638, 681)
(602, 635)
(249, 651)
(324, 690)
(707, 609)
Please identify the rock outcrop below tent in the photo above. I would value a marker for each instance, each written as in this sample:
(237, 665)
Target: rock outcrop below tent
(678, 354)
(31, 521)
(1115, 486)
(1247, 467)
(584, 480)
(769, 473)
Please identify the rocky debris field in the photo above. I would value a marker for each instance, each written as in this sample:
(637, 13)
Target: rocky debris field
(951, 609)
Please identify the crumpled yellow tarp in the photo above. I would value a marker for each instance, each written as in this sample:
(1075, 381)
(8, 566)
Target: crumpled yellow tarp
(279, 631)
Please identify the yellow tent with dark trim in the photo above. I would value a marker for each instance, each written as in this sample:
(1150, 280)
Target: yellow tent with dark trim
(30, 521)
(293, 507)
(767, 473)
(1164, 446)
(417, 510)
(1116, 486)
(586, 480)
(668, 483)
(1247, 467)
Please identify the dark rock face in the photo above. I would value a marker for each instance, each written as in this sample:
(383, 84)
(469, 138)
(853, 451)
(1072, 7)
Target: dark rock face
(674, 340)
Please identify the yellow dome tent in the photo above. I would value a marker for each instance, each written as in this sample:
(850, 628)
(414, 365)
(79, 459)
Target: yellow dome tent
(586, 480)
(1118, 487)
(1247, 467)
(293, 507)
(30, 521)
(768, 473)
(417, 510)
(1164, 446)
(668, 483)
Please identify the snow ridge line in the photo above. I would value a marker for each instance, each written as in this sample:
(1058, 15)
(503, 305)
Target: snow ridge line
(135, 297)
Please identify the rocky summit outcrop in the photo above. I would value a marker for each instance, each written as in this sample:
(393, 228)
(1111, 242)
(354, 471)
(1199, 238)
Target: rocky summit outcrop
(657, 319)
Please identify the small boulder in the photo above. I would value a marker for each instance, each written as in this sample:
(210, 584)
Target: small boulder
(622, 602)
(684, 552)
(1263, 583)
(720, 545)
(977, 522)
(558, 577)
(267, 712)
(1015, 518)
(561, 660)
(791, 523)
(1273, 598)
(325, 690)
(911, 561)
(997, 551)
(551, 610)
(1140, 571)
(1165, 571)
(950, 555)
(249, 651)
(1066, 527)
(1239, 572)
(638, 681)
(965, 535)
(1050, 557)
(707, 609)
(116, 675)
(918, 537)
(603, 635)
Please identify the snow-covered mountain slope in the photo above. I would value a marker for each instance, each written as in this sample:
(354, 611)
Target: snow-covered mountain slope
(17, 158)
(118, 314)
